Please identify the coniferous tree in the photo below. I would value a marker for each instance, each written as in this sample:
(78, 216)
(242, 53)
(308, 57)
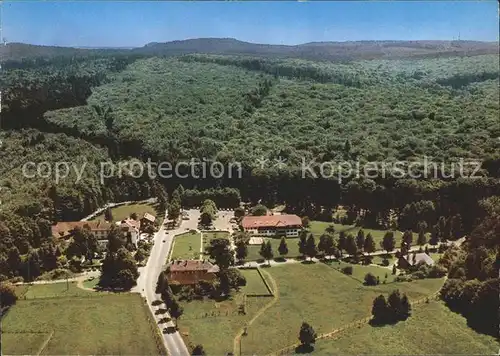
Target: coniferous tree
(311, 249)
(266, 251)
(360, 240)
(369, 245)
(388, 243)
(341, 243)
(283, 248)
(302, 244)
(422, 239)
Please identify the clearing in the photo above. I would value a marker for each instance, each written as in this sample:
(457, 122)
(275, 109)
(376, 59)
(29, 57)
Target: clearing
(255, 283)
(95, 324)
(314, 292)
(203, 322)
(51, 290)
(422, 334)
(123, 211)
(322, 296)
(359, 271)
(186, 246)
(210, 235)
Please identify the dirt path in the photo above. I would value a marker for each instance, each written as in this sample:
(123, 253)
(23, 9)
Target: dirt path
(276, 297)
(79, 284)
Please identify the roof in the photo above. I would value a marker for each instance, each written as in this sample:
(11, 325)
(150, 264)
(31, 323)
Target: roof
(130, 223)
(419, 258)
(149, 217)
(250, 222)
(192, 265)
(66, 227)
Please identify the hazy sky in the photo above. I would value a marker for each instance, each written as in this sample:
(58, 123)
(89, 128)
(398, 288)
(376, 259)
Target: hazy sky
(103, 23)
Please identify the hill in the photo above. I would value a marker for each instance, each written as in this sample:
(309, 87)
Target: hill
(351, 50)
(333, 51)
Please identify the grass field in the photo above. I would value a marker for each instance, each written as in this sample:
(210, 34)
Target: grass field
(322, 296)
(432, 329)
(292, 244)
(359, 271)
(103, 324)
(307, 292)
(255, 284)
(215, 324)
(50, 290)
(378, 259)
(435, 256)
(186, 246)
(91, 283)
(123, 211)
(24, 343)
(209, 236)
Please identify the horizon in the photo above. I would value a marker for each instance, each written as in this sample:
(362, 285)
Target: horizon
(254, 43)
(135, 24)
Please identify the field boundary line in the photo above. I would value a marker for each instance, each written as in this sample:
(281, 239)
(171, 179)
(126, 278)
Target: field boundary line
(265, 282)
(46, 342)
(276, 296)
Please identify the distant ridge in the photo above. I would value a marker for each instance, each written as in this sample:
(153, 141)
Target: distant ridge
(349, 50)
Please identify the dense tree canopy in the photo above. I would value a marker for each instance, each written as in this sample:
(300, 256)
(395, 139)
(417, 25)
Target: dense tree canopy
(260, 118)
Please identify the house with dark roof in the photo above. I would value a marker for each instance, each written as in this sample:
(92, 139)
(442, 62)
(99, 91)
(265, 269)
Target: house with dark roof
(190, 272)
(415, 259)
(271, 225)
(148, 220)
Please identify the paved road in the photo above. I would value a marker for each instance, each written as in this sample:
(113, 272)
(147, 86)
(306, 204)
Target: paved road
(146, 284)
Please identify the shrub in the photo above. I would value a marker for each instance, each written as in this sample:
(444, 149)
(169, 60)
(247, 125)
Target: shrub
(437, 271)
(7, 295)
(403, 278)
(347, 270)
(419, 274)
(17, 279)
(186, 293)
(371, 280)
(385, 262)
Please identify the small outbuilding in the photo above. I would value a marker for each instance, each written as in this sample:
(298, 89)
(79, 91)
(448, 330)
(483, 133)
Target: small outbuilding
(415, 259)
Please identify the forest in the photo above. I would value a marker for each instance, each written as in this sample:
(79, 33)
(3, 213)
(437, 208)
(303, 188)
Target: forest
(122, 106)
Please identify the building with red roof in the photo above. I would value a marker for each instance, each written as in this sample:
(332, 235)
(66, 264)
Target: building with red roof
(190, 272)
(272, 225)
